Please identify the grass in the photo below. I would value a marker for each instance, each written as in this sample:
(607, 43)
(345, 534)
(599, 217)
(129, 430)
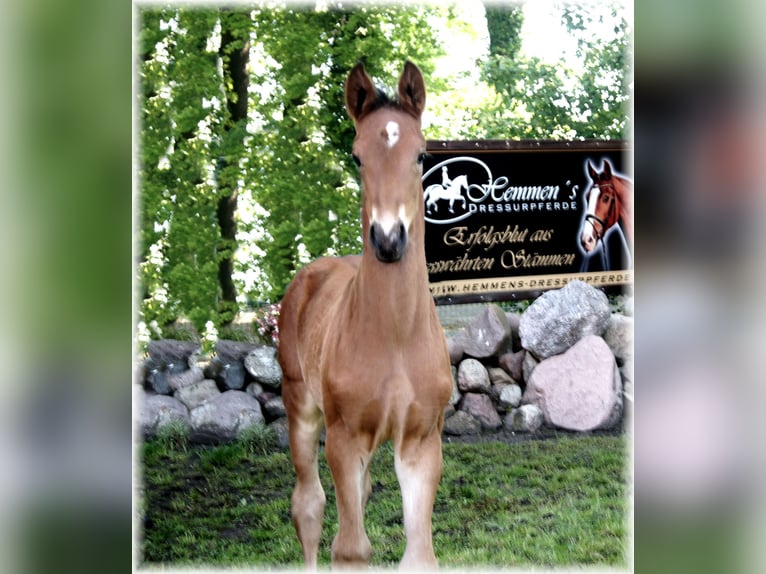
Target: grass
(538, 503)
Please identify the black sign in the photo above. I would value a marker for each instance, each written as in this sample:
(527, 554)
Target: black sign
(503, 218)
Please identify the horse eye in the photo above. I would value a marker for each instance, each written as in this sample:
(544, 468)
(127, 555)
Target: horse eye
(356, 159)
(422, 157)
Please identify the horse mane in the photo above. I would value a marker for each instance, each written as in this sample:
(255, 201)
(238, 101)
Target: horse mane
(385, 100)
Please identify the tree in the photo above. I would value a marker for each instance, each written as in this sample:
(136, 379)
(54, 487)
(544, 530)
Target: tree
(303, 176)
(234, 53)
(607, 83)
(541, 101)
(212, 148)
(189, 165)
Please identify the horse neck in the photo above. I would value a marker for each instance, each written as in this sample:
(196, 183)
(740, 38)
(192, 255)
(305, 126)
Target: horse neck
(394, 297)
(624, 205)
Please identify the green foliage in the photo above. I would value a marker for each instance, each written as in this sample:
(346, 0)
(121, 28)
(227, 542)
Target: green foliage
(257, 440)
(281, 164)
(553, 503)
(303, 174)
(174, 436)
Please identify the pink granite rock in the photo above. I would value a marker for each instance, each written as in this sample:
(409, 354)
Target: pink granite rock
(580, 389)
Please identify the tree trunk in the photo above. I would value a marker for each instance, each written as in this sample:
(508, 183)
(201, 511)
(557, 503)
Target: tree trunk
(234, 52)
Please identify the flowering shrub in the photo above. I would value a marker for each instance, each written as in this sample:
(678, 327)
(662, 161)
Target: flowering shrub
(265, 321)
(209, 339)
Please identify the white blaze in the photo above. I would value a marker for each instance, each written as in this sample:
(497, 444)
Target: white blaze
(387, 220)
(392, 134)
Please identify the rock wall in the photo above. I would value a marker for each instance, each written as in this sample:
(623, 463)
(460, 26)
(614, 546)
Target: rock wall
(566, 362)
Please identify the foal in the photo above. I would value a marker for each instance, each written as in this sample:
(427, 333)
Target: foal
(361, 348)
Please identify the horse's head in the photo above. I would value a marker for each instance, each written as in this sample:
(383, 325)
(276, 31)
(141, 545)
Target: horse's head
(389, 149)
(603, 211)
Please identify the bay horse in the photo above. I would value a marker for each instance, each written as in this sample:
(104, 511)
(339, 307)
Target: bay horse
(610, 202)
(361, 347)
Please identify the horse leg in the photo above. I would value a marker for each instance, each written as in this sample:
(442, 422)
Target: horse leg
(418, 469)
(305, 423)
(349, 463)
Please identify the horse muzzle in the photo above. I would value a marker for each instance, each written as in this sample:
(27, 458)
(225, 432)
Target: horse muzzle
(389, 246)
(588, 240)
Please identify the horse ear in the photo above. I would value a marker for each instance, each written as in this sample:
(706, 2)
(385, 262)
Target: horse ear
(412, 90)
(607, 169)
(592, 171)
(360, 93)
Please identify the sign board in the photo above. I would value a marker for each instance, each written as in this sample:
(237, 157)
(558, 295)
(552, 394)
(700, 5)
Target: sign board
(507, 218)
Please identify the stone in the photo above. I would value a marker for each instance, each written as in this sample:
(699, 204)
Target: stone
(461, 423)
(495, 391)
(281, 433)
(526, 418)
(455, 396)
(488, 334)
(225, 416)
(156, 379)
(456, 346)
(580, 389)
(559, 318)
(480, 407)
(175, 356)
(255, 390)
(233, 351)
(263, 366)
(232, 376)
(186, 378)
(510, 396)
(498, 376)
(157, 411)
(472, 376)
(197, 393)
(513, 322)
(528, 365)
(511, 363)
(274, 408)
(619, 337)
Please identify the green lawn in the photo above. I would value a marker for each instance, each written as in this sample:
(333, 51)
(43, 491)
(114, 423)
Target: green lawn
(538, 503)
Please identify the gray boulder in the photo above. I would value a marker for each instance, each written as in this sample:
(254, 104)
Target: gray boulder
(456, 346)
(580, 389)
(472, 376)
(274, 408)
(281, 433)
(512, 364)
(175, 356)
(461, 423)
(480, 407)
(559, 318)
(526, 418)
(455, 396)
(156, 379)
(157, 411)
(619, 337)
(498, 376)
(186, 378)
(488, 334)
(263, 366)
(232, 376)
(233, 351)
(528, 365)
(510, 396)
(197, 393)
(225, 416)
